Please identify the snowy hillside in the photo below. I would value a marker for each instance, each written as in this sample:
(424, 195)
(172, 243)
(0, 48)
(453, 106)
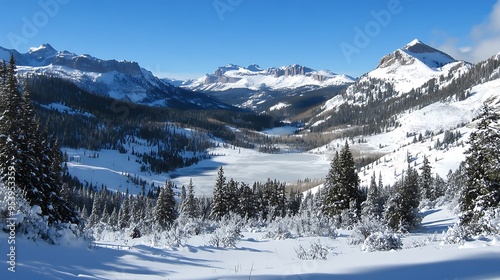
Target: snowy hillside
(431, 122)
(255, 78)
(122, 80)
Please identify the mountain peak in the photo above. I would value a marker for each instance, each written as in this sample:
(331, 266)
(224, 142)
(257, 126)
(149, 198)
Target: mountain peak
(418, 47)
(414, 42)
(44, 47)
(416, 50)
(254, 67)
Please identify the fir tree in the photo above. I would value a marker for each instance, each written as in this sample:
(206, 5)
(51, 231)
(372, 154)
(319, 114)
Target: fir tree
(105, 216)
(95, 214)
(220, 206)
(247, 202)
(165, 213)
(232, 196)
(113, 219)
(188, 205)
(426, 181)
(401, 212)
(124, 213)
(24, 147)
(342, 184)
(372, 206)
(481, 191)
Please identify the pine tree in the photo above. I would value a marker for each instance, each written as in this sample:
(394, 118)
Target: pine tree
(294, 201)
(9, 122)
(165, 213)
(124, 214)
(220, 206)
(247, 202)
(401, 211)
(188, 205)
(481, 191)
(342, 184)
(426, 181)
(95, 214)
(35, 157)
(113, 219)
(183, 195)
(232, 196)
(105, 216)
(372, 206)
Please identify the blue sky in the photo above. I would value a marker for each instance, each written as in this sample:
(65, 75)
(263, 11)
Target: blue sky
(188, 38)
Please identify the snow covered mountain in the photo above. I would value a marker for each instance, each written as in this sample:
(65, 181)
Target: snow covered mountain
(122, 80)
(415, 64)
(406, 69)
(254, 77)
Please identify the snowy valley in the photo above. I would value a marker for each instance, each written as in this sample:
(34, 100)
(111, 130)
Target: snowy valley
(202, 181)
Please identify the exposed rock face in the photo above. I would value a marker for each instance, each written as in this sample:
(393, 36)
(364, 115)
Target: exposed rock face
(320, 78)
(90, 64)
(291, 70)
(211, 79)
(394, 57)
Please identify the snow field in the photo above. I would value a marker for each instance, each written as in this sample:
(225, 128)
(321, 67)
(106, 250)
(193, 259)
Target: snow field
(423, 256)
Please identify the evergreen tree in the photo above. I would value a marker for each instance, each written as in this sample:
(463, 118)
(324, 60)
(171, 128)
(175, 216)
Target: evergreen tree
(220, 206)
(35, 157)
(294, 201)
(372, 206)
(401, 212)
(105, 216)
(183, 194)
(165, 213)
(481, 191)
(231, 193)
(342, 184)
(190, 206)
(95, 214)
(426, 181)
(247, 202)
(9, 125)
(124, 213)
(113, 219)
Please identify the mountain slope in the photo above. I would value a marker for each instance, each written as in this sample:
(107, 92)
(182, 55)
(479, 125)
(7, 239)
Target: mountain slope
(122, 80)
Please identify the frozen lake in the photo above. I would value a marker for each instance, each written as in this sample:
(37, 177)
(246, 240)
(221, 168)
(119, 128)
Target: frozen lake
(252, 167)
(243, 165)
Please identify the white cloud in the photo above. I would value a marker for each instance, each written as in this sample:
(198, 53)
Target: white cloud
(484, 37)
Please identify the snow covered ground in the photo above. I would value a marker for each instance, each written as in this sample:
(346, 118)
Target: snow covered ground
(423, 256)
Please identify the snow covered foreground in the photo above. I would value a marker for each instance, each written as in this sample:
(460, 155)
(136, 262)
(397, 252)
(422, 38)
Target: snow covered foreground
(424, 257)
